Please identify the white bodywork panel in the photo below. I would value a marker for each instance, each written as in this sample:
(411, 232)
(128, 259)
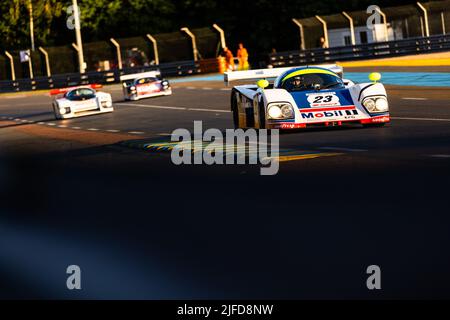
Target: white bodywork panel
(136, 97)
(149, 74)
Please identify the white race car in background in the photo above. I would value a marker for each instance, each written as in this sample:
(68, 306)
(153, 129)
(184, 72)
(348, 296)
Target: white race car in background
(301, 97)
(144, 85)
(80, 101)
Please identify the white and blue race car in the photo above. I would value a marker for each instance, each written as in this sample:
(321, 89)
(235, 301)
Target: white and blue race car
(304, 97)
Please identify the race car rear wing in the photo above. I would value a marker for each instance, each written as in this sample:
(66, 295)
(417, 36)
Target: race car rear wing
(55, 92)
(272, 73)
(149, 74)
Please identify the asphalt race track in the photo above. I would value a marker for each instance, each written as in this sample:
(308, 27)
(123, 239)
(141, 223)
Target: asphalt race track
(75, 192)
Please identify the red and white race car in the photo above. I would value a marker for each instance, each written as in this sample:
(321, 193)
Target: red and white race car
(144, 85)
(80, 101)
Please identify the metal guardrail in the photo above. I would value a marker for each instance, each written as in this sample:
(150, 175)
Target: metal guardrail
(181, 68)
(376, 50)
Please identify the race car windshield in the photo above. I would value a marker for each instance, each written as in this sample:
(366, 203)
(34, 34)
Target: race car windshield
(313, 81)
(81, 94)
(146, 80)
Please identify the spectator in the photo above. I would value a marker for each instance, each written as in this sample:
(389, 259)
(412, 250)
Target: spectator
(229, 59)
(322, 44)
(242, 56)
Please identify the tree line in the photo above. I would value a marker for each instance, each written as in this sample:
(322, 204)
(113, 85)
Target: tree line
(260, 24)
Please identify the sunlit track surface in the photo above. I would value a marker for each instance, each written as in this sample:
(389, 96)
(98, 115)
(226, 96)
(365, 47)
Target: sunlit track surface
(414, 114)
(97, 192)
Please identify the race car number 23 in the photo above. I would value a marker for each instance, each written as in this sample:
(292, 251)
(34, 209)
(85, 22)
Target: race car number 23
(323, 100)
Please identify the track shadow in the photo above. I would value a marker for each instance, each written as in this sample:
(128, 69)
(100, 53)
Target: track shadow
(27, 116)
(13, 125)
(19, 123)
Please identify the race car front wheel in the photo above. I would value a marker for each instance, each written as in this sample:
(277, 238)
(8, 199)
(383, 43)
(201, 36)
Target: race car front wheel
(262, 115)
(55, 111)
(234, 109)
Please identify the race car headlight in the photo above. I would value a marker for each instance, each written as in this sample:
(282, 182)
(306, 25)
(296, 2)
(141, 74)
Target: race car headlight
(64, 110)
(376, 104)
(132, 88)
(382, 104)
(106, 104)
(165, 84)
(280, 111)
(274, 112)
(287, 111)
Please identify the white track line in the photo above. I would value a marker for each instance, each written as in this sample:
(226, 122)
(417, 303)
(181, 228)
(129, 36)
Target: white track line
(418, 99)
(208, 110)
(420, 119)
(62, 126)
(150, 106)
(173, 108)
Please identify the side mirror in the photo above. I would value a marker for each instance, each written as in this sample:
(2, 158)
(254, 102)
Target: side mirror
(375, 77)
(262, 84)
